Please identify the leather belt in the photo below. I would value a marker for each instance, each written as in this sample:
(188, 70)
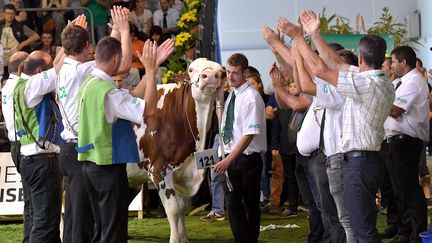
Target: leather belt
(361, 154)
(71, 140)
(398, 137)
(41, 156)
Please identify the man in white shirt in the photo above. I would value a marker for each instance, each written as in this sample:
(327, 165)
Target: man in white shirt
(78, 220)
(327, 97)
(166, 17)
(368, 101)
(38, 126)
(8, 113)
(406, 128)
(318, 223)
(244, 135)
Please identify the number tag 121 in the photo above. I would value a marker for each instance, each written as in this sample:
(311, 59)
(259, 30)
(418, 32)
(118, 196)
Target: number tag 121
(206, 158)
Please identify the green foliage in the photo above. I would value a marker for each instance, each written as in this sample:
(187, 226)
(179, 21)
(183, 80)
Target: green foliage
(340, 27)
(387, 25)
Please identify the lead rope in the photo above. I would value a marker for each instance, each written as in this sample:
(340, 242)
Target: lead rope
(219, 116)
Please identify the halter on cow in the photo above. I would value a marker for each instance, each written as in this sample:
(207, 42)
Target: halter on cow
(168, 140)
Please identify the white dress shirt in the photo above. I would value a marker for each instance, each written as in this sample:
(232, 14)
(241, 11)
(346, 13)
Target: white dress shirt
(413, 97)
(249, 118)
(369, 97)
(328, 98)
(36, 88)
(70, 78)
(7, 106)
(172, 18)
(309, 134)
(119, 103)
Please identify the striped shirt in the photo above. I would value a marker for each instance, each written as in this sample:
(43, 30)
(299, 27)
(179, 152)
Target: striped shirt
(369, 98)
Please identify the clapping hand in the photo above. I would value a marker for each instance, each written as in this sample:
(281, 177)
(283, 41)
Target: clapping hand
(164, 51)
(310, 22)
(149, 56)
(289, 28)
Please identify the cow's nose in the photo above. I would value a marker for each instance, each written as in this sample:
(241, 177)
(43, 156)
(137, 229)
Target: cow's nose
(208, 77)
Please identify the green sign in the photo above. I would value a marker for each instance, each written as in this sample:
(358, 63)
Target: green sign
(350, 42)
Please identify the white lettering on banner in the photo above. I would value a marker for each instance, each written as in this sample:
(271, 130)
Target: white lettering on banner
(11, 192)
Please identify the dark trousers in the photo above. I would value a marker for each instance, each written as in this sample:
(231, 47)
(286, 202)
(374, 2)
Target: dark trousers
(387, 196)
(362, 176)
(290, 182)
(404, 173)
(317, 167)
(28, 209)
(41, 172)
(243, 202)
(108, 191)
(317, 232)
(78, 218)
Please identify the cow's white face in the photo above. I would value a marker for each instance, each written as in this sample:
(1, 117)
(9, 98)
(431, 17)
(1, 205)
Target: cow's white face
(205, 78)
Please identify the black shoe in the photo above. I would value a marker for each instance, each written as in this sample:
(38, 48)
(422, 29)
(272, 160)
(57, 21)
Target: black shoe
(400, 239)
(389, 233)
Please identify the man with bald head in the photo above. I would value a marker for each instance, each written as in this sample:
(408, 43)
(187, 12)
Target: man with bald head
(8, 113)
(38, 124)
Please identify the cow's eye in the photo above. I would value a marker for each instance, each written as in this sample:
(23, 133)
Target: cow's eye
(190, 70)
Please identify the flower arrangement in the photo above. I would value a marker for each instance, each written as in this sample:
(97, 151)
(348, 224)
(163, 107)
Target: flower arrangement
(184, 40)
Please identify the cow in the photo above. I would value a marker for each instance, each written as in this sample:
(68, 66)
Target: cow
(168, 140)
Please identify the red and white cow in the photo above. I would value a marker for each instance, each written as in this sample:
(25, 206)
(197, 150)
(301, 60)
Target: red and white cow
(168, 140)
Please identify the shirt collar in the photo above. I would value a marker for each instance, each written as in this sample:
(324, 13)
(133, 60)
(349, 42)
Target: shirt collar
(13, 76)
(69, 60)
(242, 88)
(372, 73)
(409, 75)
(102, 75)
(25, 76)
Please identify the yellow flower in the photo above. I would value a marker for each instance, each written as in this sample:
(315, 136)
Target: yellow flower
(188, 17)
(182, 39)
(167, 77)
(192, 3)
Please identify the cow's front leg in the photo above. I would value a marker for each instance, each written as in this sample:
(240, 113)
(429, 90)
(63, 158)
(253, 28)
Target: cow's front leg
(181, 221)
(169, 201)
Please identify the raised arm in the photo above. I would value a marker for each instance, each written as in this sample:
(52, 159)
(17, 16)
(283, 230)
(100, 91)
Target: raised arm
(305, 83)
(120, 17)
(279, 49)
(317, 66)
(311, 24)
(146, 89)
(282, 94)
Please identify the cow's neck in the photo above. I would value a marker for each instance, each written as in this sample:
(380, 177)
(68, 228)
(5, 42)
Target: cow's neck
(204, 111)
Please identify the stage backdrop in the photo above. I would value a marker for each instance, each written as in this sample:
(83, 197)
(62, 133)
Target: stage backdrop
(351, 41)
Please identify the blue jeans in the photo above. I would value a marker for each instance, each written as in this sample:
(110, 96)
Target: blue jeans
(361, 179)
(265, 181)
(217, 192)
(42, 175)
(335, 166)
(323, 197)
(317, 231)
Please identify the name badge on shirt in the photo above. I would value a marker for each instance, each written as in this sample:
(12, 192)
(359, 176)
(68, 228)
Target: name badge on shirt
(206, 158)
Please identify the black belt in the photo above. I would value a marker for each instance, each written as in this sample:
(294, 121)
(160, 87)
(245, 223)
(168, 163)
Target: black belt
(41, 156)
(361, 154)
(71, 140)
(15, 143)
(399, 137)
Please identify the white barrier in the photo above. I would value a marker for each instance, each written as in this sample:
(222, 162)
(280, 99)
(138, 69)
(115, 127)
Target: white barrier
(11, 192)
(12, 195)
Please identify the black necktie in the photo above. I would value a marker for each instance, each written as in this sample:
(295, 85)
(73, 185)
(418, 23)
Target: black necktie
(398, 84)
(165, 24)
(229, 120)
